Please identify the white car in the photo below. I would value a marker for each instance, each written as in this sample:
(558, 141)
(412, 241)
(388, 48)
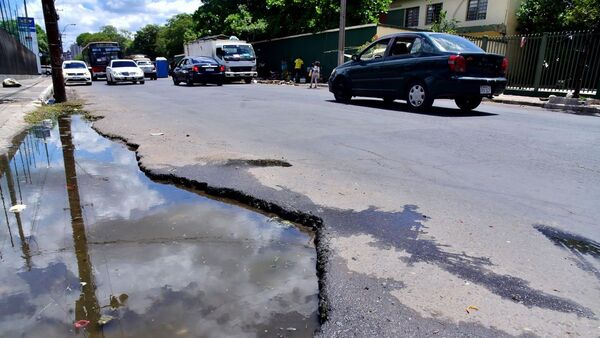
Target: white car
(124, 71)
(76, 72)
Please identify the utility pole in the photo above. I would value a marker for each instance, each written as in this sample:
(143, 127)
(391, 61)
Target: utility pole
(342, 37)
(51, 19)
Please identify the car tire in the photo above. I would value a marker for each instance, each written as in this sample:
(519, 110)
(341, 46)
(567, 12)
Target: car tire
(189, 82)
(88, 84)
(142, 82)
(468, 103)
(175, 82)
(418, 97)
(248, 80)
(342, 91)
(220, 83)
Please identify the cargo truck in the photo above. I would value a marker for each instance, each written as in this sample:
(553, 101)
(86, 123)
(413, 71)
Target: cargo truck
(236, 55)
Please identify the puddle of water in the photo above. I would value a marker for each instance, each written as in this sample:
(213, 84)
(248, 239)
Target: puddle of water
(98, 238)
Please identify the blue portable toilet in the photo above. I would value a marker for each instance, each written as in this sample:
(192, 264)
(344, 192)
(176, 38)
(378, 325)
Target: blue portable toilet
(162, 67)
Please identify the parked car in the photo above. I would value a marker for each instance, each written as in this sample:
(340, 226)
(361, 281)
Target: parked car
(76, 72)
(420, 67)
(148, 67)
(120, 70)
(198, 69)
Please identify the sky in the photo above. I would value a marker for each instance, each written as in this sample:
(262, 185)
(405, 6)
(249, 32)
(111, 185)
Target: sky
(90, 15)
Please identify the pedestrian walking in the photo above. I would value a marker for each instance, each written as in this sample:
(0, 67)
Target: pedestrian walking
(298, 63)
(315, 73)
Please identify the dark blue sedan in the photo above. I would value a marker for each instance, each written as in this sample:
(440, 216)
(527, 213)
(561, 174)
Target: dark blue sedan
(198, 69)
(420, 67)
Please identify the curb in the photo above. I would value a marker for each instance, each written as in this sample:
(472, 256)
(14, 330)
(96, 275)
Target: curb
(46, 94)
(520, 103)
(572, 109)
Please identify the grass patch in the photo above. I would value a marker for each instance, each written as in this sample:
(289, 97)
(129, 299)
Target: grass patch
(54, 111)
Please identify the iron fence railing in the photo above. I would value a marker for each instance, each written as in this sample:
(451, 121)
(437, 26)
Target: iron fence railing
(547, 63)
(10, 10)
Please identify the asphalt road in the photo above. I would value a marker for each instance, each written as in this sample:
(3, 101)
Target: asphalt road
(436, 223)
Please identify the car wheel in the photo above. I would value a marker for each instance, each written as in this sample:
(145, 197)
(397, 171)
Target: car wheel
(142, 82)
(88, 84)
(175, 82)
(220, 83)
(189, 82)
(248, 80)
(342, 91)
(468, 103)
(418, 97)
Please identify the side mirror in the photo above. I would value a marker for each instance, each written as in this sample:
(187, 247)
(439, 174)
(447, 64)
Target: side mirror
(355, 57)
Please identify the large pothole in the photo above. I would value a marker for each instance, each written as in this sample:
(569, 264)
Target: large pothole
(102, 246)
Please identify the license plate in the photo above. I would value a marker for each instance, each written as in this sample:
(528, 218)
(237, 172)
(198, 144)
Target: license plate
(485, 90)
(209, 69)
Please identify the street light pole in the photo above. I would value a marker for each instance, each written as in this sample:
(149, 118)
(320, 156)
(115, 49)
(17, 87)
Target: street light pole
(51, 20)
(62, 33)
(342, 37)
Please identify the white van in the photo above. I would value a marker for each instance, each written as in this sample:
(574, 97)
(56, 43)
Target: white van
(237, 56)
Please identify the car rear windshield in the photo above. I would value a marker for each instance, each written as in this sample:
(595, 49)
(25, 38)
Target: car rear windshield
(454, 44)
(118, 64)
(203, 60)
(72, 65)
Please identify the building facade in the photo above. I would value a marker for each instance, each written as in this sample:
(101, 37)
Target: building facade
(475, 17)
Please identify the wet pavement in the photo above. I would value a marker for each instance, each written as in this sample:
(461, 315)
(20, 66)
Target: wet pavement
(102, 246)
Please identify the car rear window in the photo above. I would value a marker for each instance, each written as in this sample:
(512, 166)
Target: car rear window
(118, 64)
(72, 65)
(203, 60)
(455, 44)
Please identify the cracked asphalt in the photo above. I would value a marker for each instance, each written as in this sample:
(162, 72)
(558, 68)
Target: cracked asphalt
(430, 221)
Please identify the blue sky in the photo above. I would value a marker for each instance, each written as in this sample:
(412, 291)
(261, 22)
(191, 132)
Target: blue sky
(90, 15)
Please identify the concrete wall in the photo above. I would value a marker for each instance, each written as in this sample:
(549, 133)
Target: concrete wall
(500, 17)
(15, 59)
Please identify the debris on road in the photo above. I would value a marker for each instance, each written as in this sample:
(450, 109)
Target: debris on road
(105, 319)
(10, 83)
(80, 324)
(471, 308)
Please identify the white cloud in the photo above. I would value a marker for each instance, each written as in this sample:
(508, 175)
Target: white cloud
(90, 15)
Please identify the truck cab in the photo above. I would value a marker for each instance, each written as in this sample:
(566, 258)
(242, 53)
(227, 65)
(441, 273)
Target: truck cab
(236, 55)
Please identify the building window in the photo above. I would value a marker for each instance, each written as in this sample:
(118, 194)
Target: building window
(477, 10)
(433, 13)
(412, 17)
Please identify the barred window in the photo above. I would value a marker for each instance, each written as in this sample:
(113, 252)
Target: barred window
(412, 17)
(477, 10)
(433, 13)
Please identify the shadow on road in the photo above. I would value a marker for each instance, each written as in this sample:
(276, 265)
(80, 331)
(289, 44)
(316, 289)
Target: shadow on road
(433, 111)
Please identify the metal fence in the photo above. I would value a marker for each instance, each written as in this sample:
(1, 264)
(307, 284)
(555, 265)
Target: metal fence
(10, 10)
(549, 63)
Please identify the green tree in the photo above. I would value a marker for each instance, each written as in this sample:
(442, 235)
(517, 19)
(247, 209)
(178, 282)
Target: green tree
(443, 24)
(106, 33)
(42, 39)
(145, 40)
(256, 19)
(537, 16)
(173, 35)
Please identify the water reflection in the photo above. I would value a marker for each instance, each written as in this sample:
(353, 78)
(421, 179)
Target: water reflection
(98, 238)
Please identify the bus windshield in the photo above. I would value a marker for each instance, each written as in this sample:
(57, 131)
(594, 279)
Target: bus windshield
(101, 53)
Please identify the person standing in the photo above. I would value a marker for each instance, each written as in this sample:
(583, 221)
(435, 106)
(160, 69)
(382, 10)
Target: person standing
(298, 63)
(315, 74)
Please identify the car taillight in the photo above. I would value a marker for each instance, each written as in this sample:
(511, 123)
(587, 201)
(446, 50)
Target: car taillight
(196, 69)
(505, 66)
(97, 69)
(457, 64)
(222, 68)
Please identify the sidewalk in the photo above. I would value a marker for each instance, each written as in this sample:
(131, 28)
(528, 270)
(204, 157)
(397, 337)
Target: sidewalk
(16, 102)
(572, 106)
